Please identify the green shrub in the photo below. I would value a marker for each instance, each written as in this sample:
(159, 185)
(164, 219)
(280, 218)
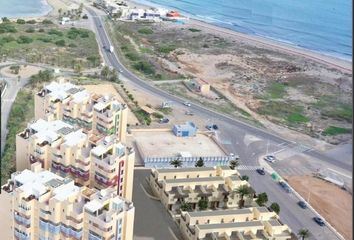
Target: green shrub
(144, 67)
(41, 30)
(24, 40)
(55, 32)
(132, 56)
(46, 21)
(7, 39)
(167, 49)
(72, 45)
(21, 21)
(7, 28)
(145, 31)
(60, 43)
(44, 39)
(41, 76)
(30, 30)
(194, 30)
(297, 118)
(31, 21)
(333, 131)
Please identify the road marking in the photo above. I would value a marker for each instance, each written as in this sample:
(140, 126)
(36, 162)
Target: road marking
(339, 173)
(8, 100)
(249, 168)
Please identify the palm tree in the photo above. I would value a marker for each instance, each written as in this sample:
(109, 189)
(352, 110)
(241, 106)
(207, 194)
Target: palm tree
(262, 199)
(303, 233)
(243, 191)
(199, 163)
(275, 207)
(186, 206)
(176, 163)
(234, 164)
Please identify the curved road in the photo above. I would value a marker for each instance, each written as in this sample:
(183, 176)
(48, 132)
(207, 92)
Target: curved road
(235, 130)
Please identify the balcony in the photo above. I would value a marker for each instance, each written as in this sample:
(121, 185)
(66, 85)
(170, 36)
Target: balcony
(33, 159)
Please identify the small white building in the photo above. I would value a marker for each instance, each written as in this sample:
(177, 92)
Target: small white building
(64, 20)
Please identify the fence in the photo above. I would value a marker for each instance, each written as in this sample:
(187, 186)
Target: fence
(164, 162)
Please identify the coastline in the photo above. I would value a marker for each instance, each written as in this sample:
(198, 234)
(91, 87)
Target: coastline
(334, 62)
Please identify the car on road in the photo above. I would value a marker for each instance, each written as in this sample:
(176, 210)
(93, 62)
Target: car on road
(215, 127)
(209, 127)
(164, 120)
(189, 113)
(285, 186)
(261, 171)
(120, 70)
(188, 104)
(319, 221)
(269, 158)
(302, 204)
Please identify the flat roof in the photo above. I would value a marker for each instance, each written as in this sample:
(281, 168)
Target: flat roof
(50, 130)
(61, 90)
(74, 138)
(231, 225)
(186, 180)
(80, 96)
(178, 170)
(93, 205)
(220, 212)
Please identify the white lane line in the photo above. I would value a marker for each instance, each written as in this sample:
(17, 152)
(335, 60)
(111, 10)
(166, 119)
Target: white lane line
(340, 173)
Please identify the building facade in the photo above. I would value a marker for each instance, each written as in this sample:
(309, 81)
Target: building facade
(90, 158)
(234, 224)
(46, 206)
(190, 185)
(75, 105)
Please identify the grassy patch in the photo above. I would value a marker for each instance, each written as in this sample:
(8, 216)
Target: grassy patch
(297, 118)
(142, 116)
(167, 49)
(21, 113)
(333, 131)
(276, 90)
(333, 108)
(166, 110)
(145, 31)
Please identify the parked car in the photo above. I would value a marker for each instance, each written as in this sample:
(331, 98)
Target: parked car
(188, 104)
(164, 120)
(285, 186)
(319, 221)
(302, 204)
(269, 158)
(261, 171)
(120, 70)
(209, 127)
(215, 127)
(189, 113)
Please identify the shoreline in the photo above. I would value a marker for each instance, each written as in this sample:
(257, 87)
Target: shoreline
(332, 61)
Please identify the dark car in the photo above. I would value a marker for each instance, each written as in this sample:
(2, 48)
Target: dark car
(302, 204)
(319, 221)
(261, 171)
(164, 120)
(215, 127)
(285, 187)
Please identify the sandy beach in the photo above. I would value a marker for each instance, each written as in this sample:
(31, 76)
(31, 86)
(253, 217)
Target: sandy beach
(345, 66)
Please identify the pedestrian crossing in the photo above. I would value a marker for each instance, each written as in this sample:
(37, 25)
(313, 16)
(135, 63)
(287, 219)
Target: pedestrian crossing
(249, 168)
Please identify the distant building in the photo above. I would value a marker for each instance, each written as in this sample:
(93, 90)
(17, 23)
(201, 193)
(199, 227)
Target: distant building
(64, 20)
(43, 205)
(93, 160)
(173, 14)
(185, 130)
(75, 105)
(202, 86)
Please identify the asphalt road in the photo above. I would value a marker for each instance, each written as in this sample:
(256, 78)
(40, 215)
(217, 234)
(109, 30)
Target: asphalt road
(234, 131)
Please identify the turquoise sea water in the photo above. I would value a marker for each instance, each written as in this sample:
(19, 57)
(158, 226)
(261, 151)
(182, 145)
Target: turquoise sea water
(320, 25)
(23, 8)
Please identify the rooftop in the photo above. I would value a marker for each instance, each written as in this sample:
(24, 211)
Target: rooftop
(61, 90)
(172, 170)
(74, 138)
(220, 212)
(187, 180)
(231, 225)
(50, 131)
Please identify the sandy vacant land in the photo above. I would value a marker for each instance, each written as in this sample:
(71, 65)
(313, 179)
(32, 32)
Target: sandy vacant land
(165, 144)
(333, 203)
(107, 89)
(24, 72)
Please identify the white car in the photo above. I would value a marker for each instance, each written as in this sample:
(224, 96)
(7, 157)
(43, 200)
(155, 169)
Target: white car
(269, 158)
(188, 104)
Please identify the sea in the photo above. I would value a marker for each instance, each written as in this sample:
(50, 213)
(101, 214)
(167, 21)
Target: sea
(24, 8)
(323, 26)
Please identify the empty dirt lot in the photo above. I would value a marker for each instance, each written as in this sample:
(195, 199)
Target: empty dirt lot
(333, 203)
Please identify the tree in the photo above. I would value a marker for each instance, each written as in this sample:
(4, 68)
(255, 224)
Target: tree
(245, 178)
(304, 233)
(21, 21)
(60, 11)
(199, 163)
(5, 20)
(234, 164)
(203, 204)
(176, 163)
(243, 191)
(105, 72)
(275, 207)
(114, 76)
(262, 199)
(186, 206)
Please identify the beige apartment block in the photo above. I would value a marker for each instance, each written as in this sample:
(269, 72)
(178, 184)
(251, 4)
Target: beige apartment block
(47, 206)
(91, 159)
(233, 224)
(70, 103)
(190, 185)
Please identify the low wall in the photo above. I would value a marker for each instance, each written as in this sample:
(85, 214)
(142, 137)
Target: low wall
(164, 162)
